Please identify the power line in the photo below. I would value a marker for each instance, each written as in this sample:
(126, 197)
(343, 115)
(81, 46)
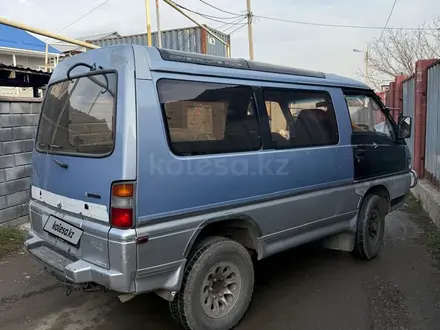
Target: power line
(210, 17)
(86, 14)
(342, 26)
(237, 22)
(388, 20)
(228, 23)
(222, 10)
(81, 17)
(236, 29)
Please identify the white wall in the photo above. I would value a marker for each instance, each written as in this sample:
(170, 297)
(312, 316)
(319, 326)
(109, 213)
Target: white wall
(6, 59)
(27, 61)
(33, 62)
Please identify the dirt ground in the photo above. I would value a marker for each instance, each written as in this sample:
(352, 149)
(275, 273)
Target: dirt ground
(306, 288)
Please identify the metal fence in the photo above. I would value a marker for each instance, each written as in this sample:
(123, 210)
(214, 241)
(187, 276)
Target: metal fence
(432, 146)
(408, 107)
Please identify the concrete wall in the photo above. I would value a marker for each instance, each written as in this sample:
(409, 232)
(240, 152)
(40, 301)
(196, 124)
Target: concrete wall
(429, 197)
(18, 121)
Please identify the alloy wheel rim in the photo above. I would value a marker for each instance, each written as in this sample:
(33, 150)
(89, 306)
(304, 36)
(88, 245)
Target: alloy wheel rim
(220, 289)
(373, 226)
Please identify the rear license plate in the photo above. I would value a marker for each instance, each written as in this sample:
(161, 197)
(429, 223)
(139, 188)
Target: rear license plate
(63, 230)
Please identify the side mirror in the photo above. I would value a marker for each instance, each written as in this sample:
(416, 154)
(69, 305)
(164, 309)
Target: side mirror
(404, 127)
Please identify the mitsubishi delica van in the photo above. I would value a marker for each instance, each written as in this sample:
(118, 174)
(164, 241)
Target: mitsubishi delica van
(163, 171)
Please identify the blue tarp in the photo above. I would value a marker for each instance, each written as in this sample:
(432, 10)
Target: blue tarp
(11, 37)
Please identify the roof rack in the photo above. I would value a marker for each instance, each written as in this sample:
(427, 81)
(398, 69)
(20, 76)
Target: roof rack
(233, 63)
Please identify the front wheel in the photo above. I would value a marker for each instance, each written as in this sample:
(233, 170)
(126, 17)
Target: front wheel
(217, 286)
(371, 227)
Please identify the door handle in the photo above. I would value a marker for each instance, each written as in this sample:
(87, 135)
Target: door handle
(360, 153)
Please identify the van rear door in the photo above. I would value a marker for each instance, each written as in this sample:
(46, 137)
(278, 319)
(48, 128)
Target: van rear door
(75, 163)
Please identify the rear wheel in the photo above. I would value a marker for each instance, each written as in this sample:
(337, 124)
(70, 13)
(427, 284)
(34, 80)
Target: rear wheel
(371, 226)
(217, 286)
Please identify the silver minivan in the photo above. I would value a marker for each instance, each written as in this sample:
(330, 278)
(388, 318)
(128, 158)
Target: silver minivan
(162, 171)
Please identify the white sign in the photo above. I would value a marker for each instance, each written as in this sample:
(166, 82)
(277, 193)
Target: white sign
(63, 230)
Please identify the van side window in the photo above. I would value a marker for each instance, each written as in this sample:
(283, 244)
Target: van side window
(209, 118)
(366, 115)
(300, 118)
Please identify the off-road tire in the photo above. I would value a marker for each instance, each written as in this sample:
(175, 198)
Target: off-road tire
(364, 248)
(186, 307)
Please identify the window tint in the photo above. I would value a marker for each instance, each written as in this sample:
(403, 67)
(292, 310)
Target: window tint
(300, 118)
(206, 118)
(366, 115)
(78, 116)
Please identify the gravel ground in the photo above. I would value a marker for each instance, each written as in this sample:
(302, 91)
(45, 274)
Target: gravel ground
(306, 288)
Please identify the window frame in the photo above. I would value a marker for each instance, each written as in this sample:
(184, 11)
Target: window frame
(257, 115)
(306, 89)
(114, 124)
(376, 98)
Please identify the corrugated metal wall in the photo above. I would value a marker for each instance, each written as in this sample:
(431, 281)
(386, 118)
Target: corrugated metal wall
(408, 107)
(214, 46)
(432, 146)
(193, 39)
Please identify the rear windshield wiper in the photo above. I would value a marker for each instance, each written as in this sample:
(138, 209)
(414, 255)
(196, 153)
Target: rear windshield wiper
(50, 145)
(91, 68)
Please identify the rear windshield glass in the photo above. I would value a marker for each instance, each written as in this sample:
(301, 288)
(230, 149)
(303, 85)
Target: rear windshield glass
(78, 116)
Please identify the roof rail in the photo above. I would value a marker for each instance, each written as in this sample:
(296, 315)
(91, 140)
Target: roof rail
(233, 63)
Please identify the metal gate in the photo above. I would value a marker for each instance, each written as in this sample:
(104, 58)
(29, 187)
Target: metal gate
(408, 107)
(432, 149)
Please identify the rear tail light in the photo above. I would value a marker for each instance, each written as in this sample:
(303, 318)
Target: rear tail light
(122, 190)
(122, 204)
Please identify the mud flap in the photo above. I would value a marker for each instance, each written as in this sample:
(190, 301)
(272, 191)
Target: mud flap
(341, 242)
(126, 297)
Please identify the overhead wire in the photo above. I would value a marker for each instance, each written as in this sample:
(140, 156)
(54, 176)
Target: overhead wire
(237, 18)
(222, 10)
(388, 20)
(238, 28)
(209, 17)
(86, 14)
(331, 25)
(231, 25)
(341, 25)
(81, 17)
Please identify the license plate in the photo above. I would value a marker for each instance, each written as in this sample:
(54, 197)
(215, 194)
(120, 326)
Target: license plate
(63, 230)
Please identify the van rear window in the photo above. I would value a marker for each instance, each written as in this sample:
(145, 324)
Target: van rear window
(78, 116)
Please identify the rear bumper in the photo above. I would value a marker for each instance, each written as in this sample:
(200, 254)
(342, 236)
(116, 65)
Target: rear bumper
(76, 271)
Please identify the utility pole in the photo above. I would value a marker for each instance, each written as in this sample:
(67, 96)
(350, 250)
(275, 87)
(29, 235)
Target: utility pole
(367, 65)
(159, 33)
(147, 7)
(249, 22)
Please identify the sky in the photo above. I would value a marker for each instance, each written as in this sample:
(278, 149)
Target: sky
(310, 47)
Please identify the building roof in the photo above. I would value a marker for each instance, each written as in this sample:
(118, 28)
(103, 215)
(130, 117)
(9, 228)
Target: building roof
(11, 37)
(14, 76)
